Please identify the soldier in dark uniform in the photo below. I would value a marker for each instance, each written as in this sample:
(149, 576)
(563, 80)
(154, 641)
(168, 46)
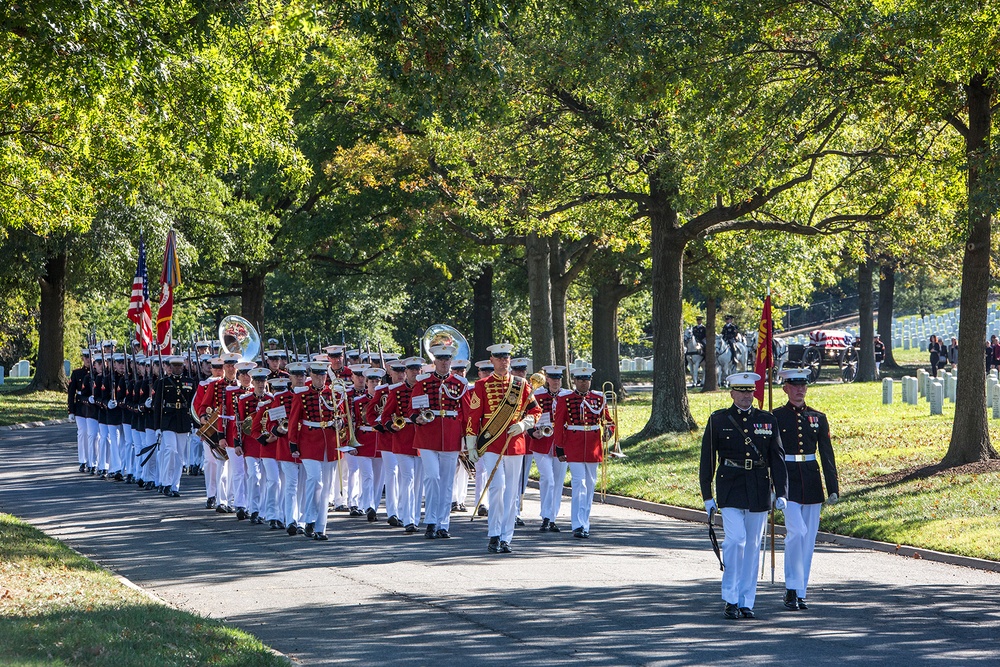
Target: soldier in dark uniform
(700, 332)
(806, 434)
(78, 407)
(879, 354)
(171, 414)
(730, 333)
(742, 451)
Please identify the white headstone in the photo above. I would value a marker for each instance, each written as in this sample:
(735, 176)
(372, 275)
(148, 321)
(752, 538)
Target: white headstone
(887, 391)
(22, 369)
(67, 367)
(579, 363)
(937, 397)
(991, 384)
(996, 402)
(950, 386)
(921, 382)
(2, 371)
(923, 345)
(626, 365)
(906, 343)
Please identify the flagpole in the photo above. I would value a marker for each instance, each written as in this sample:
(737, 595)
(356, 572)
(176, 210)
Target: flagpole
(770, 400)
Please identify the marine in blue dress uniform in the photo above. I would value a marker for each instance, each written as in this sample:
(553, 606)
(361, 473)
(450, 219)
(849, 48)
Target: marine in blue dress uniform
(741, 450)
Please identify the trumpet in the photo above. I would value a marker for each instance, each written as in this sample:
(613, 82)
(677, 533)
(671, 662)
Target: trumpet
(399, 422)
(545, 431)
(427, 415)
(246, 425)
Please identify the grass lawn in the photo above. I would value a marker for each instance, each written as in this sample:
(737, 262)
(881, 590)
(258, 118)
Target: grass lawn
(875, 445)
(37, 406)
(58, 608)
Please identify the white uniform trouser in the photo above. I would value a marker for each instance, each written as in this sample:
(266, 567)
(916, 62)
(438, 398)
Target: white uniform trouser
(370, 478)
(212, 468)
(116, 436)
(390, 477)
(138, 442)
(195, 458)
(81, 439)
(801, 526)
(353, 481)
(319, 485)
(255, 484)
(482, 472)
(551, 478)
(460, 487)
(272, 490)
(503, 494)
(170, 445)
(91, 444)
(128, 454)
(523, 482)
(149, 470)
(582, 479)
(740, 550)
(410, 488)
(338, 492)
(438, 481)
(103, 447)
(236, 479)
(290, 491)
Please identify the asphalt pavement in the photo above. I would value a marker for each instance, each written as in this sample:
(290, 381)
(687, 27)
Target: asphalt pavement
(643, 590)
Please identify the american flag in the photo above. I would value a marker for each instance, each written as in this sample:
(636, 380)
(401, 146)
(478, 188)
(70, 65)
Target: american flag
(138, 306)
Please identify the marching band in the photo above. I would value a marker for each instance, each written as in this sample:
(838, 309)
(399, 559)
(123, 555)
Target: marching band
(285, 442)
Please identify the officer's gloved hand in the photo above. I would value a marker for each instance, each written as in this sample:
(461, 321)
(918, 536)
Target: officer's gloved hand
(112, 404)
(833, 499)
(72, 418)
(149, 403)
(710, 507)
(470, 448)
(779, 503)
(521, 426)
(90, 400)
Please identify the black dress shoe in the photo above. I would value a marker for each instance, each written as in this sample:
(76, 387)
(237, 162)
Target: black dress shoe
(210, 503)
(790, 602)
(802, 603)
(732, 611)
(229, 509)
(299, 530)
(372, 515)
(578, 532)
(220, 509)
(442, 533)
(139, 485)
(83, 467)
(462, 507)
(340, 508)
(356, 512)
(429, 533)
(253, 517)
(544, 527)
(138, 481)
(321, 537)
(483, 511)
(119, 477)
(272, 525)
(505, 547)
(586, 534)
(292, 529)
(130, 479)
(150, 486)
(92, 470)
(454, 507)
(518, 522)
(175, 494)
(410, 528)
(553, 528)
(281, 524)
(310, 529)
(746, 612)
(241, 514)
(494, 546)
(394, 521)
(103, 475)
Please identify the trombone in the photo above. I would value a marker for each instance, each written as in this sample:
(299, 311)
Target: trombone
(610, 441)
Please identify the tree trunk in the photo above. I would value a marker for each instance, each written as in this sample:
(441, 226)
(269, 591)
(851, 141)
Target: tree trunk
(560, 286)
(866, 329)
(482, 314)
(671, 412)
(252, 298)
(711, 317)
(970, 435)
(604, 308)
(540, 300)
(49, 372)
(886, 294)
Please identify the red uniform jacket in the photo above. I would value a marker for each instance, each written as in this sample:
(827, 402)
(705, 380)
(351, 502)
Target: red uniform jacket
(268, 450)
(247, 407)
(547, 402)
(282, 452)
(398, 404)
(231, 413)
(445, 396)
(373, 414)
(484, 400)
(578, 426)
(366, 435)
(313, 425)
(215, 397)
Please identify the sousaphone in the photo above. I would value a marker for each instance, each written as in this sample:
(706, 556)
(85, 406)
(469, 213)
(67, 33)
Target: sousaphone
(442, 334)
(237, 336)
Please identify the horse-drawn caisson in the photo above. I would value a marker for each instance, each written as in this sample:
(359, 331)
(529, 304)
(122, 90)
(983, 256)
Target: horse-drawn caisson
(826, 346)
(730, 357)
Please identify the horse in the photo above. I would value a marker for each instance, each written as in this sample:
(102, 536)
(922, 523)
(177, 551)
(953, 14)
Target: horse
(694, 355)
(726, 364)
(779, 352)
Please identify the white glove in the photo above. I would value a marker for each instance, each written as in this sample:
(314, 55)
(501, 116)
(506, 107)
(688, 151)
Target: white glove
(710, 506)
(149, 403)
(833, 499)
(521, 426)
(72, 418)
(112, 404)
(420, 419)
(90, 400)
(779, 503)
(159, 433)
(470, 448)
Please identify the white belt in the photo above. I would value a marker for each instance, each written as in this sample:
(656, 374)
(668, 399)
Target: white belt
(318, 424)
(227, 417)
(366, 428)
(800, 458)
(574, 427)
(447, 413)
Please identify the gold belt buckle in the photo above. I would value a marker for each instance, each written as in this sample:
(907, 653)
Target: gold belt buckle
(323, 424)
(748, 464)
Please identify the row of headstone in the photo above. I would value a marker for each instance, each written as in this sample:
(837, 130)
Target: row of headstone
(21, 369)
(637, 364)
(913, 332)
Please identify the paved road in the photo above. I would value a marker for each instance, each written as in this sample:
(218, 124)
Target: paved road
(642, 591)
